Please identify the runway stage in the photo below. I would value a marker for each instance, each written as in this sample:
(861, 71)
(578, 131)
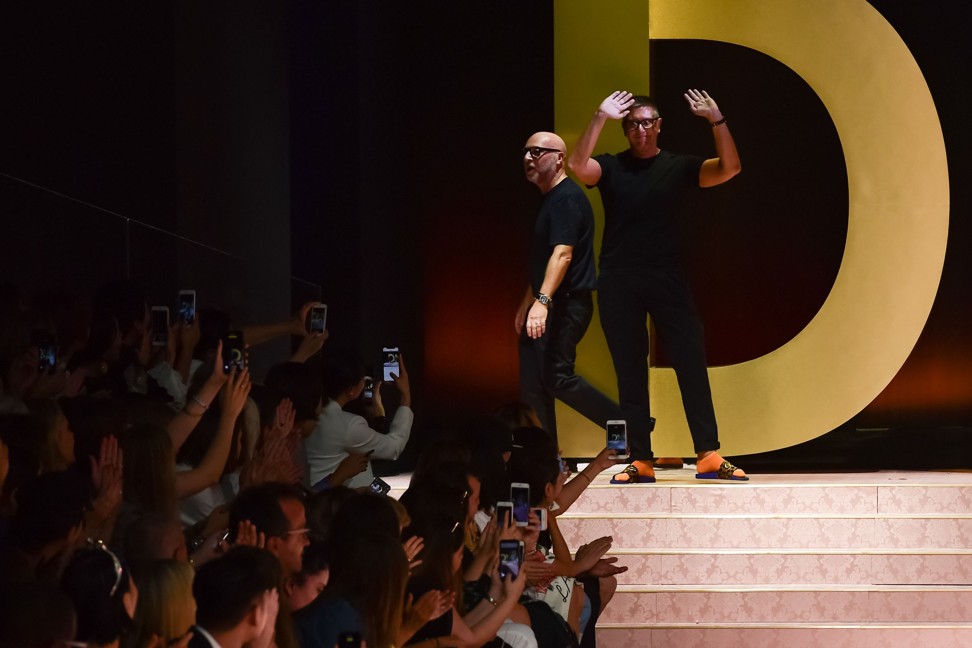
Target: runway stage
(835, 559)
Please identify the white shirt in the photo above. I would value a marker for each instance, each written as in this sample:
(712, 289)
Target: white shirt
(338, 432)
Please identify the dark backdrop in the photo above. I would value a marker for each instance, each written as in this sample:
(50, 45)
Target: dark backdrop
(375, 146)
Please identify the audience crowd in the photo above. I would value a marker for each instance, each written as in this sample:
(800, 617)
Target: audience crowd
(154, 494)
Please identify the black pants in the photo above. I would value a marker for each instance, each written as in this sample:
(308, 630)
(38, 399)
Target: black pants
(547, 366)
(626, 300)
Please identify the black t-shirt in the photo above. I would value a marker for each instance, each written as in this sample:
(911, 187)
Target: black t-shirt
(642, 199)
(565, 218)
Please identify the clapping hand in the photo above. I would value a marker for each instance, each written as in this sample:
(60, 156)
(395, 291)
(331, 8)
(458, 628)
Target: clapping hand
(701, 104)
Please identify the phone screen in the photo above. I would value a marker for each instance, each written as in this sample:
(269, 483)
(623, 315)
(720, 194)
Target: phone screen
(369, 388)
(617, 437)
(349, 640)
(541, 513)
(510, 558)
(187, 306)
(391, 364)
(379, 486)
(520, 496)
(318, 319)
(234, 351)
(46, 349)
(160, 325)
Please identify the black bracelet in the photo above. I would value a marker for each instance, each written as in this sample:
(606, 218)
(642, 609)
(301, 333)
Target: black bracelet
(718, 123)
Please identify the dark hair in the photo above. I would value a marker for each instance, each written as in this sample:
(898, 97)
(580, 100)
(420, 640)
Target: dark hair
(640, 101)
(514, 415)
(435, 502)
(225, 589)
(261, 505)
(534, 461)
(370, 572)
(365, 514)
(343, 368)
(301, 384)
(314, 561)
(144, 539)
(35, 615)
(88, 580)
(22, 433)
(443, 536)
(48, 507)
(321, 509)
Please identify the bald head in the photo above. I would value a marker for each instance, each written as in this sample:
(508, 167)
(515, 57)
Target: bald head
(543, 160)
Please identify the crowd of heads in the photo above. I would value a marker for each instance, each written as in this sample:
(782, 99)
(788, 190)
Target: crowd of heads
(152, 496)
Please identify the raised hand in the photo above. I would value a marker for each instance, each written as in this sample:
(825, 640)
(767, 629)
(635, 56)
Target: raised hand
(311, 344)
(106, 476)
(235, 392)
(247, 536)
(616, 105)
(283, 419)
(413, 547)
(701, 104)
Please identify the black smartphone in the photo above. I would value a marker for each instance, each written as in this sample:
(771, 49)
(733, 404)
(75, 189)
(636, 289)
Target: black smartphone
(234, 351)
(510, 558)
(391, 363)
(317, 321)
(617, 438)
(187, 306)
(160, 326)
(369, 388)
(46, 347)
(379, 486)
(348, 640)
(504, 514)
(520, 496)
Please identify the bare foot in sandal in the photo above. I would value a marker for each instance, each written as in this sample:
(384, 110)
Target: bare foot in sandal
(643, 469)
(713, 466)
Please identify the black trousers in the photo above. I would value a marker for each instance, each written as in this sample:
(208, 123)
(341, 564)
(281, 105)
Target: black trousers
(547, 366)
(626, 300)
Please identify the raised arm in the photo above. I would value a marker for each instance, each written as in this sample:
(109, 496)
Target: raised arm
(581, 164)
(726, 164)
(182, 425)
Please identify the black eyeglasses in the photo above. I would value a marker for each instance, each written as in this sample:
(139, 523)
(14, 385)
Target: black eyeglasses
(633, 124)
(115, 563)
(537, 152)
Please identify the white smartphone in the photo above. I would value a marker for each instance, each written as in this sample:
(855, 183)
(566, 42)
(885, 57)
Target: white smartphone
(160, 326)
(617, 438)
(520, 496)
(391, 364)
(541, 513)
(318, 319)
(187, 306)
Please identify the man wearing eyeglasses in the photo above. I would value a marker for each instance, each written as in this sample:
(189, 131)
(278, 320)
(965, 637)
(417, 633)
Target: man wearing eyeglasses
(643, 190)
(558, 306)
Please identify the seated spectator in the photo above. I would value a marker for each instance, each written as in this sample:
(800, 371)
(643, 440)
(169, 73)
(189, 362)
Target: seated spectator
(103, 593)
(151, 537)
(166, 610)
(339, 433)
(236, 600)
(277, 513)
(307, 584)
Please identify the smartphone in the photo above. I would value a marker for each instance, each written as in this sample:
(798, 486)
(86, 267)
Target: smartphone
(504, 513)
(520, 496)
(187, 306)
(391, 364)
(510, 558)
(46, 347)
(318, 319)
(369, 388)
(348, 640)
(541, 513)
(234, 351)
(160, 326)
(617, 438)
(379, 486)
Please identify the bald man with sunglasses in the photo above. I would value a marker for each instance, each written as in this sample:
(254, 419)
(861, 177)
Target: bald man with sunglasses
(558, 305)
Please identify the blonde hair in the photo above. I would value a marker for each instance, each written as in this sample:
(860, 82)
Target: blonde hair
(165, 604)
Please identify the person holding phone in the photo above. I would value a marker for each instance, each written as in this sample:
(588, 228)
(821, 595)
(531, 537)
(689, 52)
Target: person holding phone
(339, 433)
(558, 305)
(643, 190)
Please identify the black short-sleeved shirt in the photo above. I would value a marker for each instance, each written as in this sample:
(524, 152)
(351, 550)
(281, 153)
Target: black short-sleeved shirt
(642, 199)
(565, 218)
